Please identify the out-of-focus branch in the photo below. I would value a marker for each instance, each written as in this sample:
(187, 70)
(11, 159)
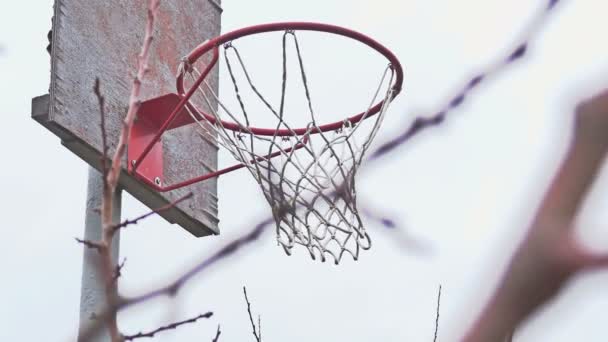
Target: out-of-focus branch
(136, 220)
(257, 332)
(49, 47)
(422, 123)
(550, 255)
(167, 327)
(228, 250)
(396, 232)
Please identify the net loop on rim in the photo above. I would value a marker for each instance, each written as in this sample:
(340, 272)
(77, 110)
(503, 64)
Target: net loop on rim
(184, 66)
(307, 176)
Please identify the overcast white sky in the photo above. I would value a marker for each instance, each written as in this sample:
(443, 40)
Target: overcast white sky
(467, 189)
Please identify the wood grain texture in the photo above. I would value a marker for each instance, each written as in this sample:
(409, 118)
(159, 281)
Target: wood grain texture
(100, 39)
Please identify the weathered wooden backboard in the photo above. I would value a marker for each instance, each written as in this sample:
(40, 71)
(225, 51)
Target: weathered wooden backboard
(101, 39)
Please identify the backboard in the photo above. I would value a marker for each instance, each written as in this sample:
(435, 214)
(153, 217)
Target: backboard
(101, 39)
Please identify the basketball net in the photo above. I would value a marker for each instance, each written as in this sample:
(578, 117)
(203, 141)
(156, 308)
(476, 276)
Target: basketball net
(308, 179)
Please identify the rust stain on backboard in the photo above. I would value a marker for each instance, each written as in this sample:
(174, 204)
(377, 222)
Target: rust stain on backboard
(101, 39)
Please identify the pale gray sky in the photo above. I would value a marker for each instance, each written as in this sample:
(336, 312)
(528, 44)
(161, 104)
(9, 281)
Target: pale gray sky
(467, 188)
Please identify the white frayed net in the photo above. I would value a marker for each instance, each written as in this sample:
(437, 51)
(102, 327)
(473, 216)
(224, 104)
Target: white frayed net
(308, 179)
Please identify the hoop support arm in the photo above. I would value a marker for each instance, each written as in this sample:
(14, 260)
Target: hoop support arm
(145, 153)
(135, 163)
(218, 173)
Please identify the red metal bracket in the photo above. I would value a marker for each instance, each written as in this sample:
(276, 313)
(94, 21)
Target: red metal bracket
(145, 151)
(153, 119)
(160, 114)
(163, 113)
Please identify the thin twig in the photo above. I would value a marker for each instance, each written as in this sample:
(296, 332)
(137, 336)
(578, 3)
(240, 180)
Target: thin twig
(90, 244)
(118, 269)
(437, 315)
(136, 220)
(217, 334)
(260, 326)
(171, 326)
(257, 336)
(104, 136)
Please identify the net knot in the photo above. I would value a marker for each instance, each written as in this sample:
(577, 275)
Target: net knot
(184, 66)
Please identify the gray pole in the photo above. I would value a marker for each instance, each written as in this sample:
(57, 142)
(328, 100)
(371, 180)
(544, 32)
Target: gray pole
(92, 293)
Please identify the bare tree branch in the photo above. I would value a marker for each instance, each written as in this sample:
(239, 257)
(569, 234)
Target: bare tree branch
(101, 100)
(260, 326)
(90, 244)
(136, 220)
(167, 327)
(550, 255)
(228, 250)
(421, 123)
(118, 269)
(134, 99)
(217, 334)
(258, 336)
(437, 315)
(111, 179)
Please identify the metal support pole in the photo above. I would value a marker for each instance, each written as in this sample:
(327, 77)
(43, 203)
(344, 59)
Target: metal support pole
(92, 293)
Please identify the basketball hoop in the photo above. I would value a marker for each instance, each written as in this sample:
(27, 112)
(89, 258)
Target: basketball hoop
(307, 174)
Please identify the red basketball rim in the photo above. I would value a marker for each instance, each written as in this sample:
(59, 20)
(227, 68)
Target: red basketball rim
(215, 43)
